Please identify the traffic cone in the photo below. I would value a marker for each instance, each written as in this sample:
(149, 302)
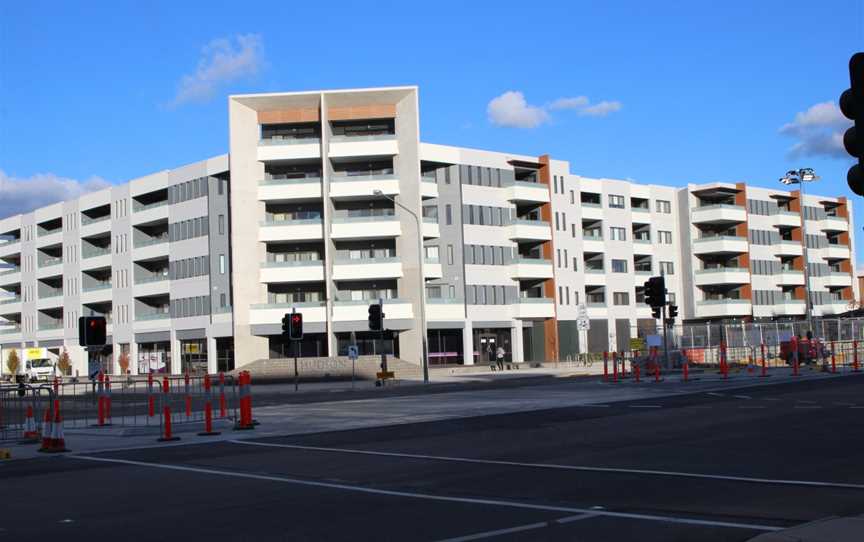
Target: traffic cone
(30, 432)
(47, 430)
(58, 440)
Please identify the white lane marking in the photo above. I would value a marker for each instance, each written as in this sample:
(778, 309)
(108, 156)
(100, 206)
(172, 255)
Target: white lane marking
(595, 406)
(742, 397)
(517, 529)
(716, 394)
(749, 407)
(804, 401)
(807, 406)
(430, 497)
(555, 466)
(645, 406)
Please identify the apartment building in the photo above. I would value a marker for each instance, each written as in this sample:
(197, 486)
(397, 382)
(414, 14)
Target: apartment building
(151, 256)
(330, 202)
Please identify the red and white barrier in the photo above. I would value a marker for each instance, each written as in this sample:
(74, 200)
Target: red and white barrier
(208, 409)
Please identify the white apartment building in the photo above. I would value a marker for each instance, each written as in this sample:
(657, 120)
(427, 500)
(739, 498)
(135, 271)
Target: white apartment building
(313, 210)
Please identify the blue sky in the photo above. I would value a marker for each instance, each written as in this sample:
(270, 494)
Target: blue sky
(673, 92)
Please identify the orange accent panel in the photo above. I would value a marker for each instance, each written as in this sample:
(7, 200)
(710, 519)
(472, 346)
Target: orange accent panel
(286, 116)
(550, 326)
(843, 237)
(741, 231)
(359, 112)
(845, 266)
(795, 202)
(843, 209)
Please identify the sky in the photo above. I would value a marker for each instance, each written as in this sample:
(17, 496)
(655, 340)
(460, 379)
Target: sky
(93, 92)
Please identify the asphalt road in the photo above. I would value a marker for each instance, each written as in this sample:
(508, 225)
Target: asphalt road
(711, 466)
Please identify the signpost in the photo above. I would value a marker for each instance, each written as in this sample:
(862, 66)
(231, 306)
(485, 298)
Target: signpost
(352, 354)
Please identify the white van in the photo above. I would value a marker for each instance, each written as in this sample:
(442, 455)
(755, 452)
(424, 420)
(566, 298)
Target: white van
(40, 369)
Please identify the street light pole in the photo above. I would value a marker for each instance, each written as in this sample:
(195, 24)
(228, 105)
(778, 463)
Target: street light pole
(424, 354)
(800, 177)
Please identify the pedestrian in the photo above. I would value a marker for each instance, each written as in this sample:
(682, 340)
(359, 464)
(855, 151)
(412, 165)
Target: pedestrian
(500, 356)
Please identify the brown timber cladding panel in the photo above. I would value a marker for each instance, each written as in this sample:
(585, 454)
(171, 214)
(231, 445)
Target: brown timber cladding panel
(386, 111)
(285, 116)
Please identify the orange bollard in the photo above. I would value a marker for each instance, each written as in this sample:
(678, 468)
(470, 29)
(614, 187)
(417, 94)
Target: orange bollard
(686, 370)
(762, 355)
(188, 396)
(245, 421)
(605, 366)
(833, 359)
(108, 399)
(855, 356)
(208, 409)
(151, 398)
(636, 372)
(100, 401)
(223, 405)
(166, 411)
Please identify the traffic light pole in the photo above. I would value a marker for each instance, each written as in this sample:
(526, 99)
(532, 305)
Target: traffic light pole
(296, 347)
(665, 341)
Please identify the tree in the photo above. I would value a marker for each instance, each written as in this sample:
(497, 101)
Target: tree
(64, 364)
(123, 362)
(12, 362)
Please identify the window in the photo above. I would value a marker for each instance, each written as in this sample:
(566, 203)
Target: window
(449, 254)
(574, 264)
(664, 206)
(560, 295)
(559, 258)
(665, 237)
(221, 224)
(621, 298)
(431, 253)
(567, 294)
(221, 264)
(616, 202)
(618, 234)
(448, 212)
(566, 258)
(619, 266)
(666, 268)
(572, 197)
(557, 223)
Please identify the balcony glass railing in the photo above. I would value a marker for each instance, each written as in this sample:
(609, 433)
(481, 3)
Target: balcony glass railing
(42, 232)
(298, 304)
(300, 139)
(97, 286)
(361, 261)
(291, 221)
(721, 270)
(364, 218)
(151, 241)
(370, 176)
(7, 330)
(595, 270)
(51, 293)
(280, 179)
(138, 207)
(49, 261)
(591, 204)
(362, 137)
(642, 240)
(153, 316)
(85, 219)
(156, 277)
(725, 301)
(91, 251)
(710, 206)
(719, 238)
(534, 261)
(292, 263)
(9, 271)
(7, 300)
(536, 300)
(48, 326)
(531, 184)
(529, 222)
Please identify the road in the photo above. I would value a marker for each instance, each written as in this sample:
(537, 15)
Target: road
(712, 465)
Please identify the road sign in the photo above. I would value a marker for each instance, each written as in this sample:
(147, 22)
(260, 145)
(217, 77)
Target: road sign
(583, 324)
(637, 344)
(352, 352)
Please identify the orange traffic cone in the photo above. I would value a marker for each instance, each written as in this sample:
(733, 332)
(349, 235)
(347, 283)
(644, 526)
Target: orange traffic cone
(47, 430)
(57, 442)
(30, 432)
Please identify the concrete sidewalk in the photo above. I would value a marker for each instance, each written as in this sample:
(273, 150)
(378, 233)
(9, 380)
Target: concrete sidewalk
(850, 529)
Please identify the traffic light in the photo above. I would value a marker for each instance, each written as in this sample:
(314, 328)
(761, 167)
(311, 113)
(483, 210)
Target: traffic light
(670, 316)
(376, 317)
(657, 312)
(292, 326)
(91, 331)
(852, 106)
(655, 292)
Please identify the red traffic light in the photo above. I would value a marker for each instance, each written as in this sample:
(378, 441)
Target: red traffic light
(295, 318)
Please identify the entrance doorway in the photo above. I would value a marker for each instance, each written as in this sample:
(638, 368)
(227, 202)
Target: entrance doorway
(488, 346)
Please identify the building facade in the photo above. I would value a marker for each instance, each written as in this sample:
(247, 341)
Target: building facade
(330, 202)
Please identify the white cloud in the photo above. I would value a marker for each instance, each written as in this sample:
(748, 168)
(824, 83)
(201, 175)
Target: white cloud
(819, 132)
(512, 110)
(222, 61)
(600, 109)
(22, 195)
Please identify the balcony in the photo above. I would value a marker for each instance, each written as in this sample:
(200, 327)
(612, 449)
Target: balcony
(787, 218)
(836, 252)
(837, 306)
(358, 311)
(718, 214)
(93, 251)
(378, 268)
(363, 145)
(10, 276)
(525, 192)
(592, 211)
(530, 230)
(723, 308)
(531, 268)
(306, 188)
(353, 187)
(151, 285)
(720, 244)
(49, 237)
(151, 248)
(432, 269)
(271, 314)
(789, 307)
(643, 246)
(445, 309)
(292, 271)
(152, 320)
(428, 188)
(51, 328)
(365, 227)
(143, 213)
(593, 244)
(6, 329)
(431, 229)
(595, 277)
(92, 226)
(837, 278)
(289, 148)
(7, 248)
(788, 248)
(834, 223)
(10, 304)
(96, 292)
(535, 308)
(722, 275)
(790, 277)
(306, 229)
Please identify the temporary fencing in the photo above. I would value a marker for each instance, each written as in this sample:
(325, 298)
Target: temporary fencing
(160, 402)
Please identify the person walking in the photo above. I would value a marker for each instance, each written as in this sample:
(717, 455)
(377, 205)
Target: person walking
(499, 354)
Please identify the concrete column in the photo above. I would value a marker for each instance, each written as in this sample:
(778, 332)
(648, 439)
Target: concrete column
(175, 354)
(516, 340)
(468, 343)
(133, 356)
(212, 359)
(78, 359)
